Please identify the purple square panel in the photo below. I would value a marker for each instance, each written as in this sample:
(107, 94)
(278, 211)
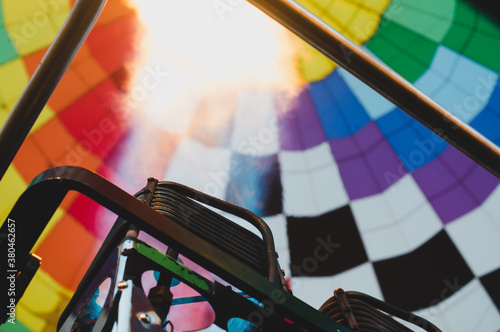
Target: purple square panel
(384, 165)
(357, 178)
(300, 128)
(434, 177)
(481, 183)
(453, 203)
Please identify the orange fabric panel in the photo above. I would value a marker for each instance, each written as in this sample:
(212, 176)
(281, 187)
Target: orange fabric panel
(32, 61)
(30, 161)
(54, 139)
(114, 10)
(70, 88)
(67, 252)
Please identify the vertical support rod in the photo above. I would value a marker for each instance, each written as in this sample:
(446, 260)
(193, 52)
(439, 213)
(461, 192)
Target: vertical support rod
(42, 84)
(384, 80)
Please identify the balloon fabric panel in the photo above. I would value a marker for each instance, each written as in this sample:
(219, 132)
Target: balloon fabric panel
(402, 215)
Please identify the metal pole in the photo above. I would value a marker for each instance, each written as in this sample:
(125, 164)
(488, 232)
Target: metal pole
(61, 52)
(384, 80)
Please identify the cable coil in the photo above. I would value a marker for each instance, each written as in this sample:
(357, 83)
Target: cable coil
(363, 313)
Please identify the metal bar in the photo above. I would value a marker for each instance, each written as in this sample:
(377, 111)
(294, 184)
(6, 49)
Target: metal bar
(42, 84)
(384, 80)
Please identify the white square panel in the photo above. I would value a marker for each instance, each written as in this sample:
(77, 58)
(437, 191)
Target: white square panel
(313, 290)
(371, 213)
(404, 197)
(315, 157)
(431, 315)
(311, 182)
(200, 167)
(397, 221)
(292, 161)
(255, 130)
(329, 191)
(277, 224)
(490, 321)
(468, 309)
(419, 226)
(319, 156)
(384, 243)
(492, 206)
(477, 237)
(361, 278)
(171, 106)
(298, 195)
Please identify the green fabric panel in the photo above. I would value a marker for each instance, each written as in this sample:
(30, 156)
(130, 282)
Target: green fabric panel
(485, 46)
(461, 31)
(429, 18)
(7, 49)
(403, 50)
(17, 327)
(475, 35)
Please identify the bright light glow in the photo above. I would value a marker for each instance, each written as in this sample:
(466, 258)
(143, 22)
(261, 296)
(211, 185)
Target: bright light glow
(207, 47)
(221, 41)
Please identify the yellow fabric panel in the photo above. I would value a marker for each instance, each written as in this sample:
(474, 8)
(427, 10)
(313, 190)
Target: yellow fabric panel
(4, 111)
(363, 26)
(315, 6)
(55, 7)
(357, 20)
(12, 88)
(313, 65)
(11, 187)
(59, 16)
(377, 6)
(29, 38)
(43, 303)
(14, 79)
(16, 11)
(46, 115)
(32, 25)
(343, 13)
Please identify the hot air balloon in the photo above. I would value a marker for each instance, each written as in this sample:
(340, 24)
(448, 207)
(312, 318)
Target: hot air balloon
(359, 195)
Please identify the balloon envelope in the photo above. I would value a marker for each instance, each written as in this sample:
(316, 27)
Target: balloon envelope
(358, 194)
